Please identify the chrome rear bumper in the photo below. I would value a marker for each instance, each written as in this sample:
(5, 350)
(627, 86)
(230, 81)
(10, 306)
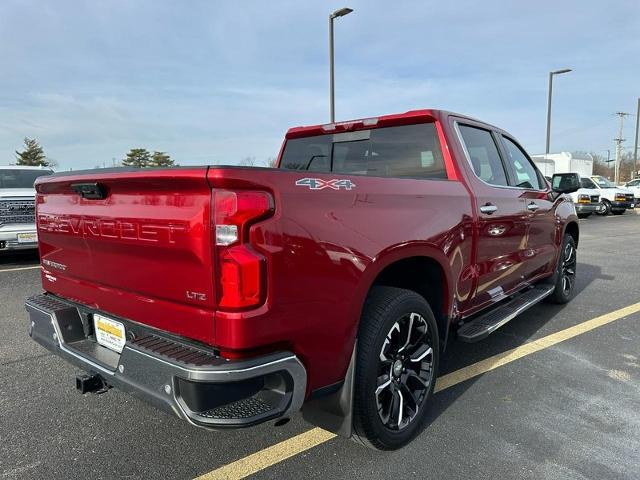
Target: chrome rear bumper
(189, 381)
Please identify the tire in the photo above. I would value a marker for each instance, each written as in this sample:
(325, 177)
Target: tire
(397, 331)
(606, 208)
(617, 212)
(584, 215)
(565, 275)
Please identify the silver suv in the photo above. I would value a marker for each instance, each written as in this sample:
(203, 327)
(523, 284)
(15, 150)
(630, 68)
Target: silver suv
(17, 206)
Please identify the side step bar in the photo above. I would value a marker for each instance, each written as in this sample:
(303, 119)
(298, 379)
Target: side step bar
(480, 327)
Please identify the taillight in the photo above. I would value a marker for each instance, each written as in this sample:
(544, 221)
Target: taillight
(242, 270)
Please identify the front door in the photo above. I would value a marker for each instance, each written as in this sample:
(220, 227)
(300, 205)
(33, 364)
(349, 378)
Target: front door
(541, 243)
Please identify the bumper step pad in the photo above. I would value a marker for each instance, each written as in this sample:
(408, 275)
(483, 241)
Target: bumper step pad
(480, 327)
(247, 408)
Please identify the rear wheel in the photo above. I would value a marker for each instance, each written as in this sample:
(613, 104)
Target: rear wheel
(565, 276)
(606, 208)
(618, 212)
(584, 215)
(397, 361)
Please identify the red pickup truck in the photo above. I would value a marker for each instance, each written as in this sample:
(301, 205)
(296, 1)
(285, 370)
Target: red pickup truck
(231, 296)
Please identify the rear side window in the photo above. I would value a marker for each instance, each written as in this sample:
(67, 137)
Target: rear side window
(408, 151)
(483, 154)
(525, 172)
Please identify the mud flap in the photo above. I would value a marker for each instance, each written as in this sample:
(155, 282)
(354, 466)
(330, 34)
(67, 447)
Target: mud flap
(334, 412)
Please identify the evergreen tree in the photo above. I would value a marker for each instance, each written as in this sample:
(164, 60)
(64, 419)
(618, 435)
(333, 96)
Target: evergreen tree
(32, 155)
(137, 157)
(161, 159)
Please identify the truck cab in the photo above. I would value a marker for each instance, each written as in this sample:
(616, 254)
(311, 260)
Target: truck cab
(17, 206)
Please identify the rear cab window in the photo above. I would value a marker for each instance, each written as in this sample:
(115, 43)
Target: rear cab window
(406, 151)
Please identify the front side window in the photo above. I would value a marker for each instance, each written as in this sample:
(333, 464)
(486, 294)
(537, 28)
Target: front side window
(483, 154)
(408, 151)
(20, 178)
(525, 172)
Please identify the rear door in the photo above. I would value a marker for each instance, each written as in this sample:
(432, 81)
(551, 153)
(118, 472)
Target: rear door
(502, 218)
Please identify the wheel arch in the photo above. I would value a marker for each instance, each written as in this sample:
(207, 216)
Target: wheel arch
(572, 229)
(423, 269)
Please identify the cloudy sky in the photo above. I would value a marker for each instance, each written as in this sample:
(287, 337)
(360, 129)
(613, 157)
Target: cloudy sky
(215, 82)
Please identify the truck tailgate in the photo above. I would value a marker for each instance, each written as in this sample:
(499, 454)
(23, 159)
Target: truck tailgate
(141, 252)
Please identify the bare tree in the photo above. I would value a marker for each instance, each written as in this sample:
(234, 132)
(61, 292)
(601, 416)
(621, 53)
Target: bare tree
(271, 162)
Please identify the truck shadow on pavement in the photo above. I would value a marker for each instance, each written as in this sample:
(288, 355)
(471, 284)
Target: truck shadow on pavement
(519, 331)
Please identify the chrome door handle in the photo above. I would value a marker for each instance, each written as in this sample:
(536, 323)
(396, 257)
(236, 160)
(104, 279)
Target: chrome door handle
(488, 208)
(532, 207)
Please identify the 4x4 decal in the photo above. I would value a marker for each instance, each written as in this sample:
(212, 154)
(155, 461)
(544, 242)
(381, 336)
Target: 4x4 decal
(320, 184)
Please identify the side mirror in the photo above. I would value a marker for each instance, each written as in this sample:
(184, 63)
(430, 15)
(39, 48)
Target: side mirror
(565, 182)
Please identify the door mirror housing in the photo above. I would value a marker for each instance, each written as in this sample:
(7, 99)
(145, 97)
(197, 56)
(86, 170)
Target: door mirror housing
(565, 182)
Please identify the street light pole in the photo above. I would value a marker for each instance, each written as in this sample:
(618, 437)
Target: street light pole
(551, 74)
(635, 147)
(332, 107)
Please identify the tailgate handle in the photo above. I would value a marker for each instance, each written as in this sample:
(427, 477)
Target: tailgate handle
(91, 191)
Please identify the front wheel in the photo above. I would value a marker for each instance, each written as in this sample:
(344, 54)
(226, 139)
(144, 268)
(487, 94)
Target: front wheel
(605, 209)
(397, 361)
(584, 215)
(565, 276)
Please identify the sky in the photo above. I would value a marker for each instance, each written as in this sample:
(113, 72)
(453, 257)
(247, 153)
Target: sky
(215, 82)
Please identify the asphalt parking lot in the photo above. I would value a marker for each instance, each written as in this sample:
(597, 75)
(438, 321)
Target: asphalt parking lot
(565, 403)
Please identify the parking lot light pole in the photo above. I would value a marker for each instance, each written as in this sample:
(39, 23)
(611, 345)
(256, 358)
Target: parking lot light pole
(551, 74)
(338, 13)
(635, 145)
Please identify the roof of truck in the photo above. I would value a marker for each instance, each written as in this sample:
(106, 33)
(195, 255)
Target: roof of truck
(409, 117)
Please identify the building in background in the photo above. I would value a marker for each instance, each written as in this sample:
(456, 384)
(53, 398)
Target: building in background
(564, 162)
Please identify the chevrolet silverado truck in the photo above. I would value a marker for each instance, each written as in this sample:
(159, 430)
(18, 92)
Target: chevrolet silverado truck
(616, 200)
(17, 206)
(230, 296)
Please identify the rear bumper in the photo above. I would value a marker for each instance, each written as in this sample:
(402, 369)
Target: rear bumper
(9, 237)
(192, 383)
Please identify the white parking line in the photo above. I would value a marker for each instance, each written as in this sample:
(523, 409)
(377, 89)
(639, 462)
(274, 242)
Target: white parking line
(17, 269)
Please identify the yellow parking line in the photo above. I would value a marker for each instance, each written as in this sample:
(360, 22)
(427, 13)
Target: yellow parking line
(19, 268)
(270, 456)
(509, 356)
(293, 446)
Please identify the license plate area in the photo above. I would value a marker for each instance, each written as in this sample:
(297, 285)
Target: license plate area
(31, 237)
(109, 333)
